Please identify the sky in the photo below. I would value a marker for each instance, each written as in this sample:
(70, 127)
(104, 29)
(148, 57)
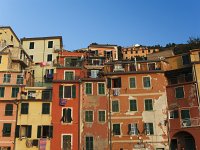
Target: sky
(121, 22)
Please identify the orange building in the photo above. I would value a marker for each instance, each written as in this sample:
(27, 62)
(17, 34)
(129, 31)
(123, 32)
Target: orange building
(137, 104)
(66, 101)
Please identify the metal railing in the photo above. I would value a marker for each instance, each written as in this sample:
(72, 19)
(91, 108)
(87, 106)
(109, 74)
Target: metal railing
(190, 122)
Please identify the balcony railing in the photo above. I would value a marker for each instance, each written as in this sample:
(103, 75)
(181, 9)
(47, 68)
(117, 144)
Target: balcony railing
(74, 64)
(181, 79)
(190, 122)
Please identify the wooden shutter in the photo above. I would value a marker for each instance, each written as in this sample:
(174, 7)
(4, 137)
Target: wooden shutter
(108, 82)
(29, 131)
(39, 132)
(61, 91)
(73, 91)
(17, 131)
(51, 131)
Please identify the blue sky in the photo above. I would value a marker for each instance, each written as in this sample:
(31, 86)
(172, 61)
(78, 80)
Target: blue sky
(121, 22)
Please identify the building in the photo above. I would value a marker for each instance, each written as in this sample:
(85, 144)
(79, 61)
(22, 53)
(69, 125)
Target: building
(66, 101)
(14, 76)
(34, 128)
(43, 51)
(182, 74)
(137, 104)
(94, 103)
(129, 53)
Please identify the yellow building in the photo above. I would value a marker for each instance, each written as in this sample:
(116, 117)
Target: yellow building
(43, 51)
(34, 127)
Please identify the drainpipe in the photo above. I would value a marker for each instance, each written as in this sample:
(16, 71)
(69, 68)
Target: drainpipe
(16, 103)
(110, 125)
(79, 115)
(196, 84)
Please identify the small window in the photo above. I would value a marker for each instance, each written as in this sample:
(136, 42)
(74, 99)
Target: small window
(31, 46)
(148, 104)
(31, 56)
(50, 44)
(9, 110)
(146, 82)
(89, 143)
(45, 108)
(45, 132)
(67, 142)
(148, 128)
(133, 105)
(6, 78)
(102, 116)
(173, 114)
(20, 79)
(15, 91)
(101, 88)
(24, 108)
(2, 89)
(116, 129)
(132, 82)
(88, 87)
(115, 106)
(6, 129)
(23, 131)
(185, 114)
(179, 92)
(49, 57)
(186, 59)
(69, 75)
(66, 115)
(67, 91)
(88, 116)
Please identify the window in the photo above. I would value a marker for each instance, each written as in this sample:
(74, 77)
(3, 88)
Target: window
(23, 131)
(31, 46)
(50, 44)
(148, 128)
(9, 110)
(93, 73)
(114, 83)
(179, 92)
(46, 95)
(45, 132)
(132, 82)
(115, 106)
(31, 56)
(15, 92)
(24, 108)
(0, 59)
(6, 129)
(116, 129)
(102, 116)
(19, 79)
(6, 78)
(66, 115)
(173, 114)
(132, 129)
(69, 75)
(101, 88)
(148, 104)
(186, 59)
(49, 57)
(89, 143)
(2, 89)
(31, 94)
(88, 116)
(67, 91)
(185, 114)
(88, 87)
(66, 142)
(133, 105)
(45, 108)
(146, 82)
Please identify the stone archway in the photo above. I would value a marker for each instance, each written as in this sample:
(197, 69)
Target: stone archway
(182, 141)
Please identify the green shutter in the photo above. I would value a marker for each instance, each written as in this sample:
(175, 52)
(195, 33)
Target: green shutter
(17, 131)
(51, 132)
(132, 82)
(61, 91)
(29, 131)
(73, 91)
(108, 82)
(39, 132)
(129, 128)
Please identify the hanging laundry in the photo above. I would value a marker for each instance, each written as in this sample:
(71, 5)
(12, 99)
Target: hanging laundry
(42, 144)
(42, 64)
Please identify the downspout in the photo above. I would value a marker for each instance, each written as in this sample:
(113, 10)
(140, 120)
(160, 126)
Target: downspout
(196, 84)
(110, 126)
(79, 140)
(16, 123)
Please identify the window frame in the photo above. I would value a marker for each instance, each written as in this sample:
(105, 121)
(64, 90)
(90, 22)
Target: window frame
(176, 92)
(101, 89)
(151, 126)
(7, 78)
(143, 82)
(67, 135)
(118, 106)
(46, 110)
(71, 115)
(91, 88)
(145, 100)
(14, 95)
(50, 44)
(119, 129)
(101, 117)
(90, 148)
(130, 105)
(7, 134)
(88, 116)
(2, 92)
(48, 57)
(8, 112)
(71, 71)
(24, 112)
(130, 82)
(32, 45)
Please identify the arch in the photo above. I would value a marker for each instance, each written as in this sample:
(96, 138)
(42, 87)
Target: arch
(182, 140)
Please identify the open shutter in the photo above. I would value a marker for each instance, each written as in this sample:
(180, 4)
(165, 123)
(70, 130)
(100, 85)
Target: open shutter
(51, 131)
(17, 131)
(39, 132)
(108, 82)
(73, 91)
(129, 128)
(61, 91)
(29, 130)
(69, 115)
(64, 117)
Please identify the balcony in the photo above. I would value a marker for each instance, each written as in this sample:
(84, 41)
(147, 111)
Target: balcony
(190, 122)
(183, 78)
(74, 64)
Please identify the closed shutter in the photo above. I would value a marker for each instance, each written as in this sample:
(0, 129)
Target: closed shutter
(51, 132)
(73, 91)
(17, 131)
(108, 82)
(29, 130)
(39, 132)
